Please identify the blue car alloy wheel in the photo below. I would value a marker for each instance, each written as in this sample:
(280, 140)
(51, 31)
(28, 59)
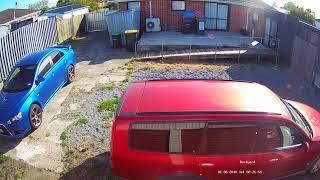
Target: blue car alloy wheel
(35, 116)
(30, 86)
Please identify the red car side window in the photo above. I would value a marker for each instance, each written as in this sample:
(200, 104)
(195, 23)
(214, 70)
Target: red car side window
(275, 136)
(212, 138)
(150, 140)
(191, 139)
(240, 138)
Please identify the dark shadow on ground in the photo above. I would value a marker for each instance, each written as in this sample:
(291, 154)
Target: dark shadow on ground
(6, 144)
(93, 168)
(97, 48)
(98, 168)
(280, 80)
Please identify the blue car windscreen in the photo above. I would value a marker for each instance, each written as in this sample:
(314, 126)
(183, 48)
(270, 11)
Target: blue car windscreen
(20, 79)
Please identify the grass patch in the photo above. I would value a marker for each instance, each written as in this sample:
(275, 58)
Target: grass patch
(83, 120)
(47, 134)
(110, 104)
(63, 136)
(108, 87)
(3, 159)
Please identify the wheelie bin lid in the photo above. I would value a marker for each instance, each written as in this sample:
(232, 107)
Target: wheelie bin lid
(131, 31)
(116, 34)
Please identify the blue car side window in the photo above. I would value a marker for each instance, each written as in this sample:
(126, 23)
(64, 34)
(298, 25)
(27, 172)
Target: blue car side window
(45, 67)
(56, 56)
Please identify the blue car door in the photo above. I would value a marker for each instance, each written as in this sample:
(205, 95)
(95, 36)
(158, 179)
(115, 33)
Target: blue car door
(59, 68)
(45, 77)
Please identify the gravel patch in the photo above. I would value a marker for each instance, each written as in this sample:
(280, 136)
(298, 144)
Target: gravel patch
(97, 131)
(149, 74)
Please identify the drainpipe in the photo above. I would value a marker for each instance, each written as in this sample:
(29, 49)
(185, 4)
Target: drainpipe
(150, 8)
(14, 10)
(247, 23)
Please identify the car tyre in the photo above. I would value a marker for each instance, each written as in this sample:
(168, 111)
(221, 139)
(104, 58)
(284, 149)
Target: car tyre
(35, 116)
(71, 74)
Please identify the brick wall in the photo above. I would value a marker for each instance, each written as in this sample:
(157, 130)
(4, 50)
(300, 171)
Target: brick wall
(238, 19)
(123, 6)
(172, 20)
(160, 9)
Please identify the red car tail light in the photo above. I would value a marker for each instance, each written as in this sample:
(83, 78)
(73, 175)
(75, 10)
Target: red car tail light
(150, 140)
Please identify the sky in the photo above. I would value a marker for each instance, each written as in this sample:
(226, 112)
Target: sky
(314, 5)
(5, 4)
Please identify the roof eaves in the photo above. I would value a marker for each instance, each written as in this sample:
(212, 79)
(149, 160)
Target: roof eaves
(57, 8)
(117, 1)
(22, 17)
(249, 3)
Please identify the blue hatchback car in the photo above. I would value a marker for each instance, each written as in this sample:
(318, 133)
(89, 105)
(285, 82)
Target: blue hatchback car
(32, 83)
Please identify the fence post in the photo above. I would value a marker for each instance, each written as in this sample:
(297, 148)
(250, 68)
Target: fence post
(72, 26)
(215, 51)
(162, 57)
(277, 55)
(190, 51)
(239, 54)
(135, 49)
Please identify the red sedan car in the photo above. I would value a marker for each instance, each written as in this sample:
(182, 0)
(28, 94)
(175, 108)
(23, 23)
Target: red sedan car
(210, 129)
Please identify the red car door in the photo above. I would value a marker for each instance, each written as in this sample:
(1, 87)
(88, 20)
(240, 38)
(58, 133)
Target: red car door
(250, 151)
(286, 147)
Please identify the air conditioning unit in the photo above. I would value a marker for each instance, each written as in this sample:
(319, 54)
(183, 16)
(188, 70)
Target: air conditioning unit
(153, 25)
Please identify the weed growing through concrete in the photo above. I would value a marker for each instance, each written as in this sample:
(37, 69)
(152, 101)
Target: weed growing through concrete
(47, 134)
(3, 159)
(63, 136)
(110, 105)
(108, 87)
(83, 120)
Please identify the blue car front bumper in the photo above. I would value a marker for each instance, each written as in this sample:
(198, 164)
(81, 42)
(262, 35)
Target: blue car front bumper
(12, 133)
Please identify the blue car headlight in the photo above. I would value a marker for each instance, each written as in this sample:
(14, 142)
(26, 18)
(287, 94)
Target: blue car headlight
(15, 118)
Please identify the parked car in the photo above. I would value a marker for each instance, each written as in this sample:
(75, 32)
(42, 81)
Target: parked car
(212, 129)
(32, 83)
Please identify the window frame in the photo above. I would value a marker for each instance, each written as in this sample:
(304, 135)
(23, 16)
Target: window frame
(185, 5)
(217, 18)
(290, 106)
(134, 2)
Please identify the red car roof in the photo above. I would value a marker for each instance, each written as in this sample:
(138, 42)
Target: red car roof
(172, 96)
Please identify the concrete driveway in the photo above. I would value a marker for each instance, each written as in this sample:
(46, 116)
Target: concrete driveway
(97, 62)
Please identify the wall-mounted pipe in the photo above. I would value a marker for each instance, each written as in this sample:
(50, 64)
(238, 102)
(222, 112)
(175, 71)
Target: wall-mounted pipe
(150, 8)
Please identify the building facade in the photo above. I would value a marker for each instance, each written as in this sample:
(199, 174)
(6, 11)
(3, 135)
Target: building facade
(12, 19)
(220, 15)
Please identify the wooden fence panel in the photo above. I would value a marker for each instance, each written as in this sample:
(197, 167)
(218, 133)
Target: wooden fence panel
(25, 40)
(68, 28)
(304, 56)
